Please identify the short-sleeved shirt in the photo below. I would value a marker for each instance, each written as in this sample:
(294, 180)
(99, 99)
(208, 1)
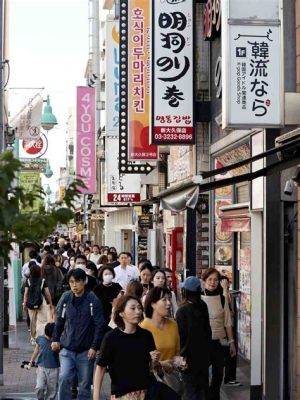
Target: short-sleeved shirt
(125, 275)
(166, 340)
(47, 358)
(127, 357)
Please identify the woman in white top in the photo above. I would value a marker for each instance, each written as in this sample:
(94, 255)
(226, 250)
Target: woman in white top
(221, 326)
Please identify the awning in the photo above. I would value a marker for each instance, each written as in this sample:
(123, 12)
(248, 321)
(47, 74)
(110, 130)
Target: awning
(235, 218)
(179, 201)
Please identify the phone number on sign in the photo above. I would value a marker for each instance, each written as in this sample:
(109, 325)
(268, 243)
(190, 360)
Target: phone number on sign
(176, 137)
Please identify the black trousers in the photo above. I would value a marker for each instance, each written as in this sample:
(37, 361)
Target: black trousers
(217, 363)
(195, 390)
(230, 367)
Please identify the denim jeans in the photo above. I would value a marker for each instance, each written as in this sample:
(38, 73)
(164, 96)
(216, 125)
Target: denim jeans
(72, 364)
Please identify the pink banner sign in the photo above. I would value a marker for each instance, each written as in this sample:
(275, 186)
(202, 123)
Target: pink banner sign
(86, 139)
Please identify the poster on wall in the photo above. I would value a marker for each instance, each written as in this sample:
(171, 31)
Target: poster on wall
(28, 182)
(244, 300)
(135, 64)
(172, 73)
(86, 139)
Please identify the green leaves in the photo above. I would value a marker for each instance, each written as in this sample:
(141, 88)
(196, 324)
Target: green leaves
(17, 225)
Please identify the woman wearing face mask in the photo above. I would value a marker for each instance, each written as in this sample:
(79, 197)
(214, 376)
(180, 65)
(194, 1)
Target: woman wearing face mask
(107, 290)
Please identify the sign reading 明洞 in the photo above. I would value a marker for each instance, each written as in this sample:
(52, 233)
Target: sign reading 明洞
(172, 78)
(85, 139)
(252, 69)
(121, 188)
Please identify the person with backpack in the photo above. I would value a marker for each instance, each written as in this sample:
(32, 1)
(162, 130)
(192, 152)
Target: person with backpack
(221, 327)
(78, 333)
(35, 293)
(53, 277)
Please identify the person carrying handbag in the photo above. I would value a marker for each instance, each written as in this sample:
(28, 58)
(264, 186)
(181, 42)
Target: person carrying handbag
(167, 384)
(221, 326)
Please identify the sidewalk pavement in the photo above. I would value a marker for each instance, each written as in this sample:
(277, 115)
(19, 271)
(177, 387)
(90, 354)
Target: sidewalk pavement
(19, 383)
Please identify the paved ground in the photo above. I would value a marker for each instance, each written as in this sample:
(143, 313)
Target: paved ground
(19, 383)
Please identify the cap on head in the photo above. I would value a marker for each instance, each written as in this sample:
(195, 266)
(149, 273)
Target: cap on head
(192, 284)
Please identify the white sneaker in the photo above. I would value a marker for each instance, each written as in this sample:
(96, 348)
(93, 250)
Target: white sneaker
(233, 383)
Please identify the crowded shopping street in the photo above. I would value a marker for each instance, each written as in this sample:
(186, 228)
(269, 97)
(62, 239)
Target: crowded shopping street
(149, 199)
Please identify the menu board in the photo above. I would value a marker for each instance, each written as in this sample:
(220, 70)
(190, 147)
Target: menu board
(144, 224)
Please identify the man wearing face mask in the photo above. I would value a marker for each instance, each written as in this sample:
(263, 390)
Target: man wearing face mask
(81, 262)
(107, 291)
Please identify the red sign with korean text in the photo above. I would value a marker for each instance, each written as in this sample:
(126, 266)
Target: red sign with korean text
(172, 73)
(139, 47)
(33, 147)
(123, 197)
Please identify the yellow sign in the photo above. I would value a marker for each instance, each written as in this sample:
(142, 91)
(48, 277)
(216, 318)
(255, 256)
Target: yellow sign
(29, 182)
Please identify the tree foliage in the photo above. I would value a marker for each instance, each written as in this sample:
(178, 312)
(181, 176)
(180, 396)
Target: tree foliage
(19, 226)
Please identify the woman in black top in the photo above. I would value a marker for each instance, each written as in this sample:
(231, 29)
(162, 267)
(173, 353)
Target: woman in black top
(126, 352)
(107, 290)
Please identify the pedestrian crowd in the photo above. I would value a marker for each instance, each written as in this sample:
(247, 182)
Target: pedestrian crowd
(91, 312)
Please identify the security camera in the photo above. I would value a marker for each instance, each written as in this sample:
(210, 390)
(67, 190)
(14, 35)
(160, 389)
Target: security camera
(296, 178)
(289, 187)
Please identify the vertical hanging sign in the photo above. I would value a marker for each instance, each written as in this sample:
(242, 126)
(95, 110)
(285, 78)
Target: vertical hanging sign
(172, 67)
(85, 139)
(136, 65)
(252, 64)
(112, 78)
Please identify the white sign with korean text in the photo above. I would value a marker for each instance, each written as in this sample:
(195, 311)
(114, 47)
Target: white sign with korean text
(172, 80)
(121, 188)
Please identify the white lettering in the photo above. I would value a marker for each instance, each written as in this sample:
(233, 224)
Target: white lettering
(85, 151)
(87, 172)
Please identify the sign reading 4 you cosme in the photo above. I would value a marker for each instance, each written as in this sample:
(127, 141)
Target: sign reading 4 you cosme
(172, 72)
(86, 139)
(252, 71)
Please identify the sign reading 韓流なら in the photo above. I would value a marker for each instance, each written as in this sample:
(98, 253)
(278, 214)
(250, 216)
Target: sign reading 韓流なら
(121, 188)
(85, 140)
(172, 78)
(136, 66)
(252, 70)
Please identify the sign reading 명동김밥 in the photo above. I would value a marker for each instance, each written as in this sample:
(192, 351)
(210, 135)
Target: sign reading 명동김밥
(172, 73)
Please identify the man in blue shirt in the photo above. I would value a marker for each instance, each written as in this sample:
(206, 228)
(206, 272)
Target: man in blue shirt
(77, 334)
